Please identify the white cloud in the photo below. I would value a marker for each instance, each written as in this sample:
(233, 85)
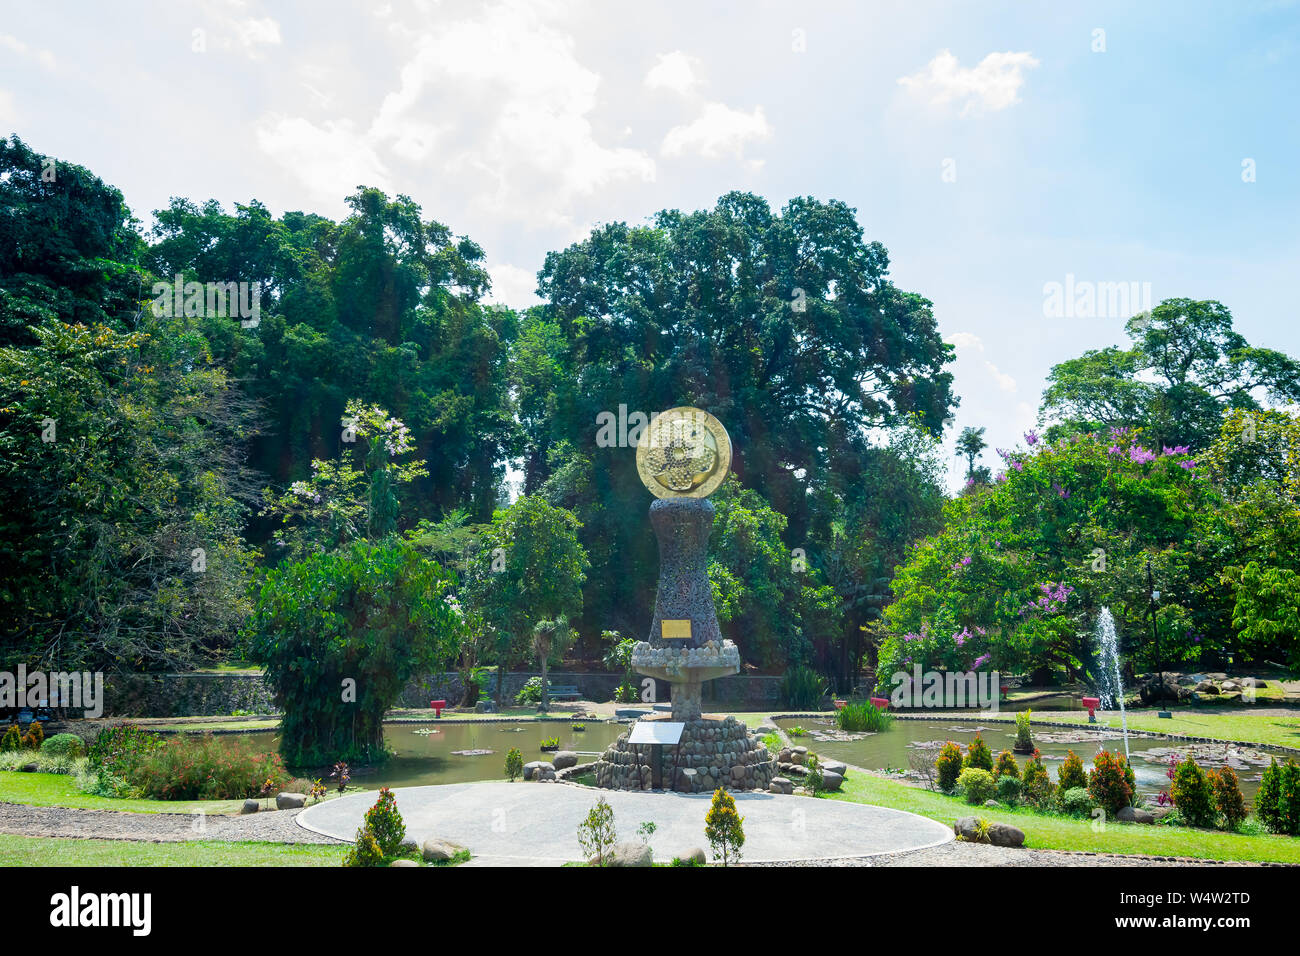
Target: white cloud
(719, 130)
(965, 340)
(1005, 381)
(513, 286)
(674, 71)
(330, 160)
(238, 31)
(992, 85)
(251, 33)
(44, 57)
(8, 111)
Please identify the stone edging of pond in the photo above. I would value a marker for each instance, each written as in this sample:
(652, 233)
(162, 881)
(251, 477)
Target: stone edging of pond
(396, 720)
(1185, 738)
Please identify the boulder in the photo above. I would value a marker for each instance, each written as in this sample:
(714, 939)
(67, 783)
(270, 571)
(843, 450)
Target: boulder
(250, 806)
(1207, 687)
(29, 768)
(630, 853)
(435, 850)
(485, 707)
(290, 801)
(1250, 682)
(564, 759)
(403, 863)
(998, 834)
(831, 781)
(1134, 815)
(786, 755)
(694, 855)
(835, 766)
(781, 785)
(1229, 685)
(533, 768)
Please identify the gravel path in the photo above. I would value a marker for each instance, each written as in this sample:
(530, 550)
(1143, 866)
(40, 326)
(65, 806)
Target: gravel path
(272, 826)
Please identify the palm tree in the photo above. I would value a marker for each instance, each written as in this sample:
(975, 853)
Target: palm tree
(970, 443)
(549, 637)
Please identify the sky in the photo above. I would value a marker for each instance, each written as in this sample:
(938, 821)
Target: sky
(995, 148)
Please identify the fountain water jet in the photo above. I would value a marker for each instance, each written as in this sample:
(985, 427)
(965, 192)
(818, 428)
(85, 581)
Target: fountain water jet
(1108, 652)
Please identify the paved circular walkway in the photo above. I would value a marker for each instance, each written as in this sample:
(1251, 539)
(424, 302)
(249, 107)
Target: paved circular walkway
(537, 823)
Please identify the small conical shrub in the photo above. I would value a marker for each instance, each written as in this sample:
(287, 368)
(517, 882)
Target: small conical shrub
(12, 739)
(724, 827)
(948, 767)
(1227, 797)
(979, 756)
(1006, 766)
(1070, 776)
(366, 851)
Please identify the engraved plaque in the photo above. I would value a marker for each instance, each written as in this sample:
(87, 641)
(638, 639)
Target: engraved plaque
(679, 630)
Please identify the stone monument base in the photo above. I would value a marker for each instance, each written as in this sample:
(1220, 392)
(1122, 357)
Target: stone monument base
(714, 752)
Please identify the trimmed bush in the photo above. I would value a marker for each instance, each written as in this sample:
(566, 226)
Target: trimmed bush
(1076, 801)
(1192, 795)
(1006, 766)
(948, 766)
(1010, 789)
(386, 824)
(514, 764)
(1277, 804)
(977, 784)
(34, 737)
(1108, 783)
(1227, 797)
(1071, 776)
(1024, 733)
(1037, 783)
(13, 738)
(365, 852)
(979, 756)
(64, 745)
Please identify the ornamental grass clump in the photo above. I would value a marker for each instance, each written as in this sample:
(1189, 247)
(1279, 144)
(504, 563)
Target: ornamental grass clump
(948, 767)
(859, 717)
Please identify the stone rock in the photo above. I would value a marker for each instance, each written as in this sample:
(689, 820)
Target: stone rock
(1159, 813)
(435, 850)
(1207, 687)
(1134, 815)
(786, 755)
(485, 707)
(250, 806)
(834, 766)
(781, 785)
(403, 863)
(564, 759)
(290, 801)
(630, 853)
(1229, 685)
(991, 803)
(1250, 682)
(534, 767)
(29, 768)
(694, 855)
(831, 781)
(999, 834)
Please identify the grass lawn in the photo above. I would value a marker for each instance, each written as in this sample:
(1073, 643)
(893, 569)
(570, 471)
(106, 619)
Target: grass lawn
(60, 790)
(235, 723)
(1277, 728)
(49, 851)
(1047, 832)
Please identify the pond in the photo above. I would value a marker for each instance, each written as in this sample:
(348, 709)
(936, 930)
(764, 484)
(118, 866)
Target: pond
(443, 752)
(891, 748)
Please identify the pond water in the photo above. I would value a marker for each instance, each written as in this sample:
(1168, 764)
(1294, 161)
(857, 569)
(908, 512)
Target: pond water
(891, 748)
(426, 753)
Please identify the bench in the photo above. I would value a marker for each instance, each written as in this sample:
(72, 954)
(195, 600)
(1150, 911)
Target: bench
(558, 691)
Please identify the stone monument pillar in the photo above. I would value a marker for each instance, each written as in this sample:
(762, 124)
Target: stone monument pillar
(683, 456)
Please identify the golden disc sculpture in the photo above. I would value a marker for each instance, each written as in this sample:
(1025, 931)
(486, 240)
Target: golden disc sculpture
(683, 453)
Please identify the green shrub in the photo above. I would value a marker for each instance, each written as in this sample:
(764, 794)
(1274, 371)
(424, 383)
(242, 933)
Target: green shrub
(1037, 783)
(596, 834)
(1010, 789)
(724, 827)
(948, 766)
(1070, 776)
(1277, 804)
(531, 692)
(1076, 801)
(64, 745)
(1108, 784)
(119, 751)
(365, 852)
(13, 738)
(35, 736)
(1024, 733)
(802, 687)
(814, 778)
(386, 824)
(863, 717)
(514, 764)
(1228, 799)
(1192, 794)
(979, 757)
(1006, 766)
(978, 785)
